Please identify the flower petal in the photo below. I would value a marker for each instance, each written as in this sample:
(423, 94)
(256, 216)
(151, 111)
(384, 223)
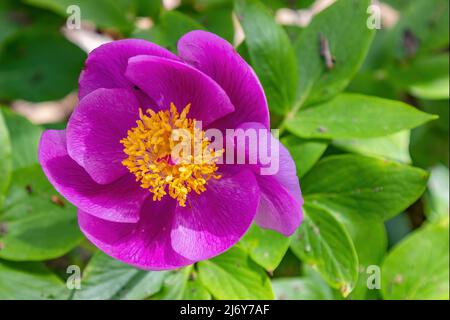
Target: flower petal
(105, 66)
(215, 220)
(219, 60)
(280, 207)
(167, 81)
(95, 129)
(118, 201)
(145, 244)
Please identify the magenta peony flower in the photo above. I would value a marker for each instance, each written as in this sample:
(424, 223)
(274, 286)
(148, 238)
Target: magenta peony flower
(113, 162)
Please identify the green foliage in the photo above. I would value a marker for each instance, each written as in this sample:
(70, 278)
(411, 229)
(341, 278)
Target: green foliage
(368, 117)
(322, 242)
(106, 278)
(357, 185)
(182, 284)
(437, 200)
(271, 54)
(24, 139)
(394, 147)
(31, 281)
(36, 223)
(301, 289)
(104, 13)
(417, 268)
(364, 114)
(343, 26)
(5, 158)
(234, 275)
(266, 247)
(427, 20)
(35, 226)
(39, 65)
(304, 152)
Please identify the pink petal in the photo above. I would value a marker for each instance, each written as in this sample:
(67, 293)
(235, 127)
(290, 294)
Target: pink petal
(118, 201)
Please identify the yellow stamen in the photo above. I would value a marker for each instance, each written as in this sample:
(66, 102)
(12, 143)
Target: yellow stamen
(149, 147)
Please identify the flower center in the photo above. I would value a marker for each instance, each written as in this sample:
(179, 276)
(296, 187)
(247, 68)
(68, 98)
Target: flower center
(168, 153)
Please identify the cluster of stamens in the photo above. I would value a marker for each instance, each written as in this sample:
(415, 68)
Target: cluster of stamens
(151, 146)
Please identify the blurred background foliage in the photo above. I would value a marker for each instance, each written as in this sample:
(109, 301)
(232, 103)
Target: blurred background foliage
(369, 134)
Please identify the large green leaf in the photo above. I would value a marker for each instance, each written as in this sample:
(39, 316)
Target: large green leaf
(395, 146)
(322, 242)
(266, 247)
(110, 14)
(305, 288)
(356, 116)
(271, 53)
(39, 65)
(195, 291)
(304, 152)
(29, 281)
(5, 158)
(353, 184)
(36, 223)
(344, 25)
(24, 139)
(106, 278)
(233, 275)
(182, 284)
(417, 268)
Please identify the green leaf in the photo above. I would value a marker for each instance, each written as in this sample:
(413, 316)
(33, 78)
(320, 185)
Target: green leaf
(182, 284)
(344, 25)
(322, 242)
(8, 25)
(370, 239)
(151, 9)
(425, 77)
(292, 4)
(271, 53)
(36, 223)
(110, 14)
(15, 16)
(356, 116)
(219, 21)
(195, 291)
(5, 159)
(39, 66)
(429, 143)
(394, 147)
(427, 21)
(29, 281)
(353, 184)
(233, 275)
(304, 152)
(106, 278)
(171, 27)
(437, 196)
(266, 247)
(24, 139)
(305, 288)
(417, 268)
(434, 90)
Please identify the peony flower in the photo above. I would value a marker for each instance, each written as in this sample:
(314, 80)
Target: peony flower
(114, 163)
